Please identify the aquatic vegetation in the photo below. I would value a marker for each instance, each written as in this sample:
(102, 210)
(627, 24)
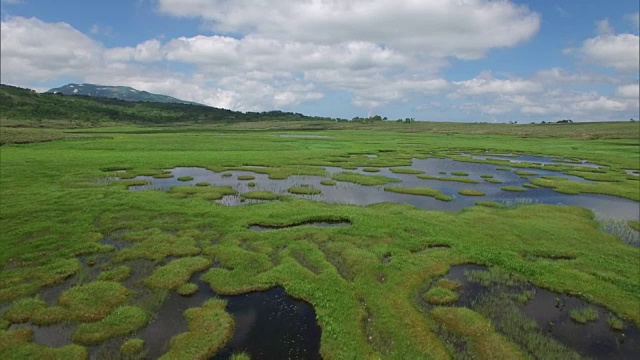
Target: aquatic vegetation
(459, 173)
(513, 188)
(132, 346)
(304, 190)
(202, 183)
(486, 176)
(530, 186)
(371, 170)
(493, 181)
(615, 322)
(455, 179)
(93, 301)
(420, 191)
(210, 327)
(118, 273)
(492, 204)
(328, 182)
(245, 177)
(251, 184)
(584, 315)
(121, 321)
(366, 180)
(177, 272)
(205, 193)
(525, 173)
(16, 344)
(468, 192)
(260, 195)
(187, 289)
(185, 178)
(405, 171)
(627, 189)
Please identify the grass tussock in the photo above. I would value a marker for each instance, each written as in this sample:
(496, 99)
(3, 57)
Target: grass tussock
(93, 301)
(371, 169)
(366, 180)
(209, 329)
(406, 171)
(205, 193)
(420, 191)
(132, 347)
(303, 191)
(120, 322)
(584, 315)
(459, 173)
(440, 296)
(177, 272)
(261, 195)
(246, 177)
(327, 182)
(513, 189)
(118, 273)
(453, 179)
(187, 289)
(18, 345)
(185, 178)
(468, 192)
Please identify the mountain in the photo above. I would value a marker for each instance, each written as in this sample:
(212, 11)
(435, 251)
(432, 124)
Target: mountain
(25, 107)
(116, 92)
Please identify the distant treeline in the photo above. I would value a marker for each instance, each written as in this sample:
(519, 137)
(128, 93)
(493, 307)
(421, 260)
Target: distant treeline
(25, 104)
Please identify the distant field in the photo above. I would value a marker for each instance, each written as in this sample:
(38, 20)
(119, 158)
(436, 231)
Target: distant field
(376, 276)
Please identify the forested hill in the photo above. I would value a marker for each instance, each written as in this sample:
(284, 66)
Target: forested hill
(18, 104)
(116, 92)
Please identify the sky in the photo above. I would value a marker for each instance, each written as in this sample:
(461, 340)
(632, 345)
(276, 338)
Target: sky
(433, 60)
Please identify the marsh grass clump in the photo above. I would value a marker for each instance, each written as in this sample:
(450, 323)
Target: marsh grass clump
(224, 175)
(245, 177)
(93, 301)
(584, 315)
(177, 272)
(251, 184)
(187, 289)
(202, 184)
(459, 173)
(34, 310)
(303, 190)
(447, 284)
(118, 273)
(530, 186)
(420, 191)
(366, 180)
(163, 175)
(18, 344)
(209, 328)
(493, 181)
(619, 228)
(405, 171)
(132, 346)
(634, 224)
(454, 179)
(120, 322)
(467, 192)
(240, 356)
(206, 193)
(260, 195)
(130, 183)
(185, 178)
(493, 276)
(503, 169)
(615, 322)
(371, 169)
(513, 188)
(525, 173)
(486, 176)
(328, 182)
(440, 296)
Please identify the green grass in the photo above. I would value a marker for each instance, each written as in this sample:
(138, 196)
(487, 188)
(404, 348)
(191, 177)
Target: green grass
(210, 327)
(203, 184)
(491, 204)
(261, 195)
(303, 191)
(328, 182)
(459, 173)
(493, 181)
(366, 180)
(486, 176)
(120, 322)
(185, 178)
(246, 177)
(165, 175)
(132, 346)
(177, 272)
(584, 315)
(240, 356)
(406, 171)
(454, 179)
(335, 270)
(503, 169)
(467, 192)
(440, 296)
(513, 188)
(530, 186)
(627, 188)
(118, 273)
(634, 224)
(371, 170)
(525, 173)
(187, 289)
(615, 322)
(420, 191)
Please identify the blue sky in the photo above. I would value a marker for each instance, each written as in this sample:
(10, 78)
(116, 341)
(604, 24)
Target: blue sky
(494, 61)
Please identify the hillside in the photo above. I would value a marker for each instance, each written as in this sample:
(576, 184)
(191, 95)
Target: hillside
(116, 92)
(24, 107)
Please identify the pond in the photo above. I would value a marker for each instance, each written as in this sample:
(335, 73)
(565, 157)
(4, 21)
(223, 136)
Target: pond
(550, 311)
(351, 193)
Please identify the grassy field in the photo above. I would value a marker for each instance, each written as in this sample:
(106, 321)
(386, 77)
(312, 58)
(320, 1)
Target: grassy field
(60, 199)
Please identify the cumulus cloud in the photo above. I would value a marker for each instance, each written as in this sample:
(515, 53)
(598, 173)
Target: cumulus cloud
(466, 30)
(618, 51)
(486, 84)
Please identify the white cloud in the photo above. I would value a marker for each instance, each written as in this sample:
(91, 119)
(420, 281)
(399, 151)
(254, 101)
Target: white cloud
(628, 91)
(463, 29)
(558, 76)
(634, 19)
(621, 51)
(486, 84)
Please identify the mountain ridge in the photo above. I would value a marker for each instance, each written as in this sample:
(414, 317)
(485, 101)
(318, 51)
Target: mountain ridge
(126, 93)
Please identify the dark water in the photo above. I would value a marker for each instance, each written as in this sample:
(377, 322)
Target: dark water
(550, 311)
(349, 193)
(319, 224)
(268, 324)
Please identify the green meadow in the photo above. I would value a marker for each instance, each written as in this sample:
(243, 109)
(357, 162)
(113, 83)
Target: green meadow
(62, 196)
